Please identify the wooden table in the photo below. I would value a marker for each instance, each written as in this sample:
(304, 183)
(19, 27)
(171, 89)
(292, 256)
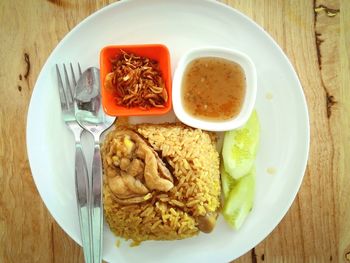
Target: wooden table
(313, 33)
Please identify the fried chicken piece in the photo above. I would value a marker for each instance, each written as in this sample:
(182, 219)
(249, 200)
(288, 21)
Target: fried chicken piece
(137, 168)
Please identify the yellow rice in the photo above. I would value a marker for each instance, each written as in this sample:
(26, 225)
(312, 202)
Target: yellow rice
(192, 155)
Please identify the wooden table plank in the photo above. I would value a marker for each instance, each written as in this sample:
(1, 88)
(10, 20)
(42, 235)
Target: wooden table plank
(316, 228)
(341, 132)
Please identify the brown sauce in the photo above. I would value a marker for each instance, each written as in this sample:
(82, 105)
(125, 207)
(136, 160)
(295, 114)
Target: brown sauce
(213, 88)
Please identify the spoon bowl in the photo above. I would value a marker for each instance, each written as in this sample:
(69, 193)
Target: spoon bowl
(88, 103)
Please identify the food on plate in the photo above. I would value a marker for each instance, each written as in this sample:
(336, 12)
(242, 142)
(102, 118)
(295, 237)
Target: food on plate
(240, 147)
(137, 82)
(238, 171)
(161, 182)
(240, 199)
(227, 182)
(213, 88)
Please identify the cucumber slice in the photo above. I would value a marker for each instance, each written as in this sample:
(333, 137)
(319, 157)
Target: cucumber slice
(240, 200)
(240, 147)
(227, 182)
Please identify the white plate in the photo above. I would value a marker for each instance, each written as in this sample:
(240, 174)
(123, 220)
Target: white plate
(180, 25)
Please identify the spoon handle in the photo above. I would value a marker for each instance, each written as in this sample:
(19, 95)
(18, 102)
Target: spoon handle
(96, 205)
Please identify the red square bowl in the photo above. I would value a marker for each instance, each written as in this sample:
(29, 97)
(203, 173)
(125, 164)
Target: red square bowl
(157, 52)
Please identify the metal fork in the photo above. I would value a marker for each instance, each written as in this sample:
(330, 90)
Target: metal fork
(81, 174)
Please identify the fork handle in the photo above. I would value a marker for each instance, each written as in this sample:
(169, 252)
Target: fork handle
(97, 209)
(82, 193)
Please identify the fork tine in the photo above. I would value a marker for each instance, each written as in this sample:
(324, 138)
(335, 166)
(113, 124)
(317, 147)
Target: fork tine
(68, 86)
(63, 98)
(79, 70)
(73, 77)
(69, 94)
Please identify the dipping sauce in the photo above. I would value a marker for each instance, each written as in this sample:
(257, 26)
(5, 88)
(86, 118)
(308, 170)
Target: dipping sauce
(213, 88)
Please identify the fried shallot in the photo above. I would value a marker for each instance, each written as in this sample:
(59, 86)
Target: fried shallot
(137, 82)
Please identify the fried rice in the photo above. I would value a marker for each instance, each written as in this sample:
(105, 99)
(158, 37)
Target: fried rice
(179, 211)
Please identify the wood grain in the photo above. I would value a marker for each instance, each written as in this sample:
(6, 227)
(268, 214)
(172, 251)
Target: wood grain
(317, 226)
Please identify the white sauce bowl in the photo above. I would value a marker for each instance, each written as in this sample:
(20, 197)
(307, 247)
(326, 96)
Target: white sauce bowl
(250, 94)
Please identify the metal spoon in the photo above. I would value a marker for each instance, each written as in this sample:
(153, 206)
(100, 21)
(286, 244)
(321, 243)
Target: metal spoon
(90, 116)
